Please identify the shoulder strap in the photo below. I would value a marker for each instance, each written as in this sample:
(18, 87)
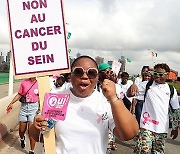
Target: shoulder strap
(171, 95)
(147, 87)
(171, 91)
(30, 87)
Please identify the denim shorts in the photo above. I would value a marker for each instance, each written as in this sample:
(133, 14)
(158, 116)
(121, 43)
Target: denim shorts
(28, 111)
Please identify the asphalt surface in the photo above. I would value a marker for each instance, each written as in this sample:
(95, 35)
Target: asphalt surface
(11, 144)
(4, 89)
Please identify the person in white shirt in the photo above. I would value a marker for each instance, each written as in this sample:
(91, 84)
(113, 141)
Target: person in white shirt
(125, 84)
(105, 72)
(61, 83)
(140, 78)
(154, 122)
(89, 116)
(58, 82)
(138, 103)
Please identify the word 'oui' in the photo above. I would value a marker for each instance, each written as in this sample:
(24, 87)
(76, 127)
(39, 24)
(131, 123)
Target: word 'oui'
(57, 102)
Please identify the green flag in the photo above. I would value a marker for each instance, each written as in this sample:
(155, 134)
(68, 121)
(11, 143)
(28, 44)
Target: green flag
(69, 50)
(128, 60)
(69, 35)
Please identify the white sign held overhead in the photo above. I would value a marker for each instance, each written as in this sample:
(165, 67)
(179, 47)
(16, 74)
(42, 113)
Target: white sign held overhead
(116, 67)
(38, 37)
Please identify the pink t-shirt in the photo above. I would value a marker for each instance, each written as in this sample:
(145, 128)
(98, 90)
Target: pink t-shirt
(32, 94)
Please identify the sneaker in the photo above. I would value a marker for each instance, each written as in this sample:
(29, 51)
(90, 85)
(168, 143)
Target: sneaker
(23, 144)
(114, 147)
(31, 152)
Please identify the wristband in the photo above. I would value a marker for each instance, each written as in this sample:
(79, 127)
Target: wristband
(114, 100)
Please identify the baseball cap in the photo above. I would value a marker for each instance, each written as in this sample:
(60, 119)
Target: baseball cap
(103, 66)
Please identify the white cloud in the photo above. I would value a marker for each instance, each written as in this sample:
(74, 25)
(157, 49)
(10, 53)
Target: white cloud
(4, 34)
(111, 28)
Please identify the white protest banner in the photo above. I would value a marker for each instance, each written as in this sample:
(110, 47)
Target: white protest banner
(38, 37)
(39, 46)
(116, 67)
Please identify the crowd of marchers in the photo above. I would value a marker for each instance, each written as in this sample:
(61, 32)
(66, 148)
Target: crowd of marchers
(105, 106)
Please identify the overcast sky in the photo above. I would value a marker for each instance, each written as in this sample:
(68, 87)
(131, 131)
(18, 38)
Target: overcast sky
(111, 28)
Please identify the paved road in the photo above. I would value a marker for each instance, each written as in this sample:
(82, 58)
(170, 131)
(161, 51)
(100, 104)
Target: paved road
(172, 146)
(5, 87)
(11, 144)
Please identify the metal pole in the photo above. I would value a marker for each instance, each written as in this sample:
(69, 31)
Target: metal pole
(10, 91)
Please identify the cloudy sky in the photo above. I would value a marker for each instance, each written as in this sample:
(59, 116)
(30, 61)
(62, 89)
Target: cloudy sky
(111, 28)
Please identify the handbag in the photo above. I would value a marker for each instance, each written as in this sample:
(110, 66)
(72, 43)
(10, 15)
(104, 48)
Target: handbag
(23, 97)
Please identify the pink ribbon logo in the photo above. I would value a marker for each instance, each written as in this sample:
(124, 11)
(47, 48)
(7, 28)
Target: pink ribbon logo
(99, 118)
(147, 118)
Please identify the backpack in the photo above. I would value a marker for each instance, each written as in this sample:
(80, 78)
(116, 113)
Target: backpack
(171, 92)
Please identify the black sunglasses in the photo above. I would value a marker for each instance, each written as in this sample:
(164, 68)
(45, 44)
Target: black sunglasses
(159, 74)
(91, 72)
(108, 71)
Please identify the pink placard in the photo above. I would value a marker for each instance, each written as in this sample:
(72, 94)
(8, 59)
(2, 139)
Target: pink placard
(55, 106)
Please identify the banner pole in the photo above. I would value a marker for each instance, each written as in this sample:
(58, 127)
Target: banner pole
(49, 136)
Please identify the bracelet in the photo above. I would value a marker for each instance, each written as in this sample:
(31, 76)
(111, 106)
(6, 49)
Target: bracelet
(115, 100)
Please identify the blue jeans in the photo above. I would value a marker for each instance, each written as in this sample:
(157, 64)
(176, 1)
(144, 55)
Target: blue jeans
(28, 111)
(138, 110)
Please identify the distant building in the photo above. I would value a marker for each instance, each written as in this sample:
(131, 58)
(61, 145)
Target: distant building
(99, 60)
(110, 62)
(78, 54)
(123, 64)
(2, 62)
(71, 59)
(8, 58)
(1, 58)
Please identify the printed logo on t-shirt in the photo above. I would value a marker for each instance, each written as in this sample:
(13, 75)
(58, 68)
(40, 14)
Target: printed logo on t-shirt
(36, 91)
(29, 98)
(121, 96)
(102, 117)
(168, 93)
(147, 118)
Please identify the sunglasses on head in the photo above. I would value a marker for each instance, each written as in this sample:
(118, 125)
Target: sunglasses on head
(159, 74)
(91, 72)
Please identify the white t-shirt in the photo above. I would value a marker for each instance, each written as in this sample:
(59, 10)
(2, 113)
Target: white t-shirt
(119, 91)
(142, 88)
(65, 86)
(138, 80)
(154, 115)
(125, 88)
(85, 129)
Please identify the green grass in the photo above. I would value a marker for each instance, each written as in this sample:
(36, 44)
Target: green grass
(4, 78)
(177, 86)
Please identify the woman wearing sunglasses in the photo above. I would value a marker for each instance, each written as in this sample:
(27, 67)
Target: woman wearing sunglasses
(140, 78)
(138, 103)
(89, 116)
